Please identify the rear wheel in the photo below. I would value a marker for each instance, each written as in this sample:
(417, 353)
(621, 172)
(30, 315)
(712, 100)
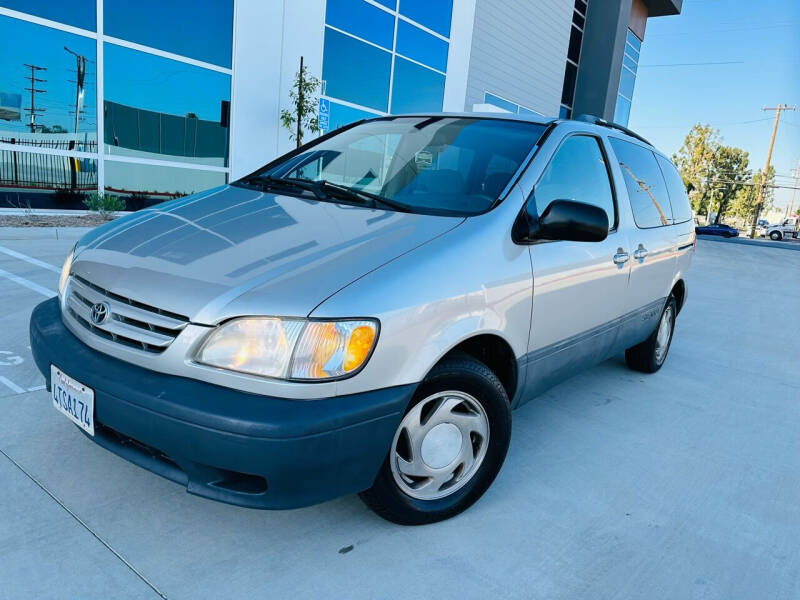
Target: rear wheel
(648, 356)
(448, 448)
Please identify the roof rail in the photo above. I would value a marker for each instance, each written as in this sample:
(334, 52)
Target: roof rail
(598, 121)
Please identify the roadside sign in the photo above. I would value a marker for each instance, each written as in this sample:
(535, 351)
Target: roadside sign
(323, 114)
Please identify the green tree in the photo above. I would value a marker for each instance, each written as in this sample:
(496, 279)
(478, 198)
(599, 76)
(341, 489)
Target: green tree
(694, 160)
(730, 173)
(303, 112)
(713, 172)
(744, 203)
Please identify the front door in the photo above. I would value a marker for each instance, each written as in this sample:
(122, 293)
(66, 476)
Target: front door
(579, 287)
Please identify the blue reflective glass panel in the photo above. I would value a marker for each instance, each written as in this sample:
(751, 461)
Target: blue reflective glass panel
(361, 19)
(199, 29)
(622, 112)
(421, 46)
(525, 111)
(78, 13)
(389, 3)
(633, 40)
(563, 113)
(355, 71)
(500, 103)
(416, 89)
(433, 15)
(54, 59)
(627, 80)
(155, 106)
(141, 185)
(36, 180)
(342, 115)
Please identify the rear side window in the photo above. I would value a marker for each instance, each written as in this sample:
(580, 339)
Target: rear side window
(681, 211)
(646, 188)
(577, 172)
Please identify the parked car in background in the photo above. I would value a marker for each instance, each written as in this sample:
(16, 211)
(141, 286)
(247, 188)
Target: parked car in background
(720, 229)
(363, 313)
(784, 230)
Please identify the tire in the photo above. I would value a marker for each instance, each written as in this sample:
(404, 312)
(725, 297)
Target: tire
(775, 236)
(459, 393)
(649, 356)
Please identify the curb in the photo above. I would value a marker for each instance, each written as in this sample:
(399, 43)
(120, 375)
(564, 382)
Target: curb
(785, 245)
(43, 233)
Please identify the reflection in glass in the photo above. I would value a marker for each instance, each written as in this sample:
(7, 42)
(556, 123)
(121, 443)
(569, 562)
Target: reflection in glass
(416, 44)
(355, 71)
(500, 102)
(415, 88)
(60, 68)
(79, 13)
(160, 108)
(30, 180)
(343, 115)
(143, 185)
(199, 30)
(433, 15)
(361, 19)
(431, 165)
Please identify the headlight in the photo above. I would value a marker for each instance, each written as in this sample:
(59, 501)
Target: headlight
(65, 269)
(294, 349)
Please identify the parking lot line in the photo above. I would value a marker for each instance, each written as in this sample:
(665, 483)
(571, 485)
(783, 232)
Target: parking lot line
(30, 259)
(11, 385)
(28, 284)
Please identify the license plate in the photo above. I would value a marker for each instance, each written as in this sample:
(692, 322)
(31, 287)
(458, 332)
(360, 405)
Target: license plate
(73, 399)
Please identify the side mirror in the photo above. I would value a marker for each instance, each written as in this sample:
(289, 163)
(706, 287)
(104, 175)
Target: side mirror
(562, 220)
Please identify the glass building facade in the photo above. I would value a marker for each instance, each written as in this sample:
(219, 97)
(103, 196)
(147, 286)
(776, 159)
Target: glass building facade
(384, 57)
(157, 129)
(627, 78)
(150, 100)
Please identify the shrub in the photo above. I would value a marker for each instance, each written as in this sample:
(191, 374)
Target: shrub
(104, 205)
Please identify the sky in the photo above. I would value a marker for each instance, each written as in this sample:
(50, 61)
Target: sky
(757, 48)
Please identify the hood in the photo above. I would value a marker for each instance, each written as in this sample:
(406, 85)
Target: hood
(232, 251)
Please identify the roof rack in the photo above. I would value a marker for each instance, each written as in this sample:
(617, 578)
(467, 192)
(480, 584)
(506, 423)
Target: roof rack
(598, 121)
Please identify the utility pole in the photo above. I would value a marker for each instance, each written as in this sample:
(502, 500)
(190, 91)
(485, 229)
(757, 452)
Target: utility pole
(796, 174)
(300, 105)
(32, 110)
(778, 109)
(79, 80)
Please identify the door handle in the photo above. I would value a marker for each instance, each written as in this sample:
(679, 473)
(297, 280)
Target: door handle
(621, 257)
(640, 253)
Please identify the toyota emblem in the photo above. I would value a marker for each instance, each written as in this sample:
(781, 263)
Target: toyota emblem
(100, 312)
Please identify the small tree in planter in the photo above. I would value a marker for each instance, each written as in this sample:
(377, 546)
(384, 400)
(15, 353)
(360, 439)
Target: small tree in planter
(303, 112)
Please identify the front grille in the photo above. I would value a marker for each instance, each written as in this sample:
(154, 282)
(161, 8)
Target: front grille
(129, 322)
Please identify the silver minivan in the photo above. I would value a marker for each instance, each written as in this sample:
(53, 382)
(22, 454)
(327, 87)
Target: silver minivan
(362, 314)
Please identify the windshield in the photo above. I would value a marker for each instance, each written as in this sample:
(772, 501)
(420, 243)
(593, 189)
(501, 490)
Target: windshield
(434, 165)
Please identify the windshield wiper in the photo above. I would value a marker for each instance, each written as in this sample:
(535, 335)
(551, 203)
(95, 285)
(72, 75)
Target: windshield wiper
(270, 181)
(324, 190)
(354, 194)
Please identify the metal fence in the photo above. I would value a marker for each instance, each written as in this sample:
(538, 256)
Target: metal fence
(29, 171)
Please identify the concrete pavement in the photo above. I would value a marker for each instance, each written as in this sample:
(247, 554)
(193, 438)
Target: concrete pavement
(683, 484)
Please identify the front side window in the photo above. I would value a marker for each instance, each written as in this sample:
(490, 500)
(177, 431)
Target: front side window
(431, 165)
(577, 172)
(646, 188)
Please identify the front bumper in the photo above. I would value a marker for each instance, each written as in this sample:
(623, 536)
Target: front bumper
(224, 444)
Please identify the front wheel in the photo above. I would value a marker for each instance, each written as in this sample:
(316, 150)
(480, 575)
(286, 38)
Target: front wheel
(775, 236)
(648, 356)
(448, 447)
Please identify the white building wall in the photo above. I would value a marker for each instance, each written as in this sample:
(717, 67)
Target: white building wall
(269, 38)
(519, 51)
(458, 56)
